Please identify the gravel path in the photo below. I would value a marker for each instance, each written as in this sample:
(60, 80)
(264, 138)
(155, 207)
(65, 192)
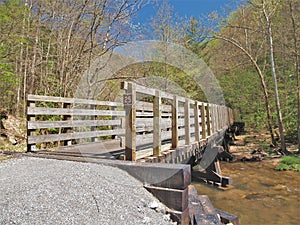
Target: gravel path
(44, 191)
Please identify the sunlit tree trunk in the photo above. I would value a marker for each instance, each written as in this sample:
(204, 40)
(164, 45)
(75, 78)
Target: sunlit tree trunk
(273, 69)
(262, 81)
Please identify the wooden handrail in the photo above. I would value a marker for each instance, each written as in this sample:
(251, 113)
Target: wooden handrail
(71, 120)
(200, 120)
(150, 124)
(42, 98)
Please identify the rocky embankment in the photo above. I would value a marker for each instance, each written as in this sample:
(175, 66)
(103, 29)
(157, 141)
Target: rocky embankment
(251, 146)
(12, 134)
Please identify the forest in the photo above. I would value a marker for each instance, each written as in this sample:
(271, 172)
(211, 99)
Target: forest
(46, 46)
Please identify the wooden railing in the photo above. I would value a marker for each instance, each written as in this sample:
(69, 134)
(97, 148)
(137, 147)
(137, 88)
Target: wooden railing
(53, 121)
(165, 121)
(148, 122)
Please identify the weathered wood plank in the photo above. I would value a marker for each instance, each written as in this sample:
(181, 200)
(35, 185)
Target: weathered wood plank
(150, 91)
(227, 217)
(130, 123)
(149, 151)
(201, 209)
(212, 118)
(150, 114)
(157, 124)
(148, 106)
(41, 98)
(196, 122)
(203, 121)
(32, 125)
(207, 119)
(30, 133)
(145, 139)
(146, 124)
(73, 112)
(69, 129)
(175, 122)
(69, 136)
(148, 138)
(187, 122)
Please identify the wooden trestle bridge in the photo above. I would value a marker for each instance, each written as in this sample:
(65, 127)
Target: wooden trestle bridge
(153, 135)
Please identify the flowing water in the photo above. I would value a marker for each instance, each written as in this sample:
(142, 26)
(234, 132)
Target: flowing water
(260, 195)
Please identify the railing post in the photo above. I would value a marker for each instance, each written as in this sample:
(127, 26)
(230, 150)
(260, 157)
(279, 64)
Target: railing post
(130, 122)
(197, 125)
(93, 128)
(222, 117)
(175, 122)
(157, 124)
(113, 108)
(30, 147)
(208, 120)
(212, 119)
(203, 121)
(218, 120)
(187, 121)
(69, 129)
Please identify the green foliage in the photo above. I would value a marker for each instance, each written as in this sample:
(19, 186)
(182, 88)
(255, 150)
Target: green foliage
(239, 80)
(289, 163)
(241, 89)
(12, 13)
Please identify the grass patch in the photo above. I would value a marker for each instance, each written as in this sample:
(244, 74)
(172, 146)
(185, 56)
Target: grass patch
(289, 163)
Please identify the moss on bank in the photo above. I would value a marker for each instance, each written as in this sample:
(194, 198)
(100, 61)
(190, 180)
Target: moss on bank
(289, 163)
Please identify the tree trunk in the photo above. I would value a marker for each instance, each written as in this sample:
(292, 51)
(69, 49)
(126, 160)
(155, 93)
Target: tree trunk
(262, 81)
(278, 108)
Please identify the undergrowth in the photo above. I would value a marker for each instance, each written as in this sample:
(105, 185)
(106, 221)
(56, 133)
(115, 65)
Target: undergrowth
(289, 163)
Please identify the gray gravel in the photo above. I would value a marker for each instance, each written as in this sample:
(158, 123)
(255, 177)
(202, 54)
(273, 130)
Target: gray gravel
(44, 191)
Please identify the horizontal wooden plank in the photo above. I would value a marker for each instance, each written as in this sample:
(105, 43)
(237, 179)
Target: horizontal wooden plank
(192, 102)
(41, 98)
(145, 90)
(167, 95)
(148, 138)
(32, 125)
(149, 151)
(70, 136)
(72, 112)
(150, 114)
(145, 139)
(150, 91)
(148, 106)
(181, 122)
(146, 124)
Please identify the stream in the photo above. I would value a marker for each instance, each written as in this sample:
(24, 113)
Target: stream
(259, 194)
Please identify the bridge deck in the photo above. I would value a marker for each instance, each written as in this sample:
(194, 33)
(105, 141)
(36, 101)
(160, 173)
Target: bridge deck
(103, 150)
(109, 149)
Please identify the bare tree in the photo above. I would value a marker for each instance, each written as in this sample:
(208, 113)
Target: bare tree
(240, 34)
(268, 11)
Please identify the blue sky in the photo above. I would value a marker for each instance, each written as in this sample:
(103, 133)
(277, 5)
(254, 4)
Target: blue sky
(196, 8)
